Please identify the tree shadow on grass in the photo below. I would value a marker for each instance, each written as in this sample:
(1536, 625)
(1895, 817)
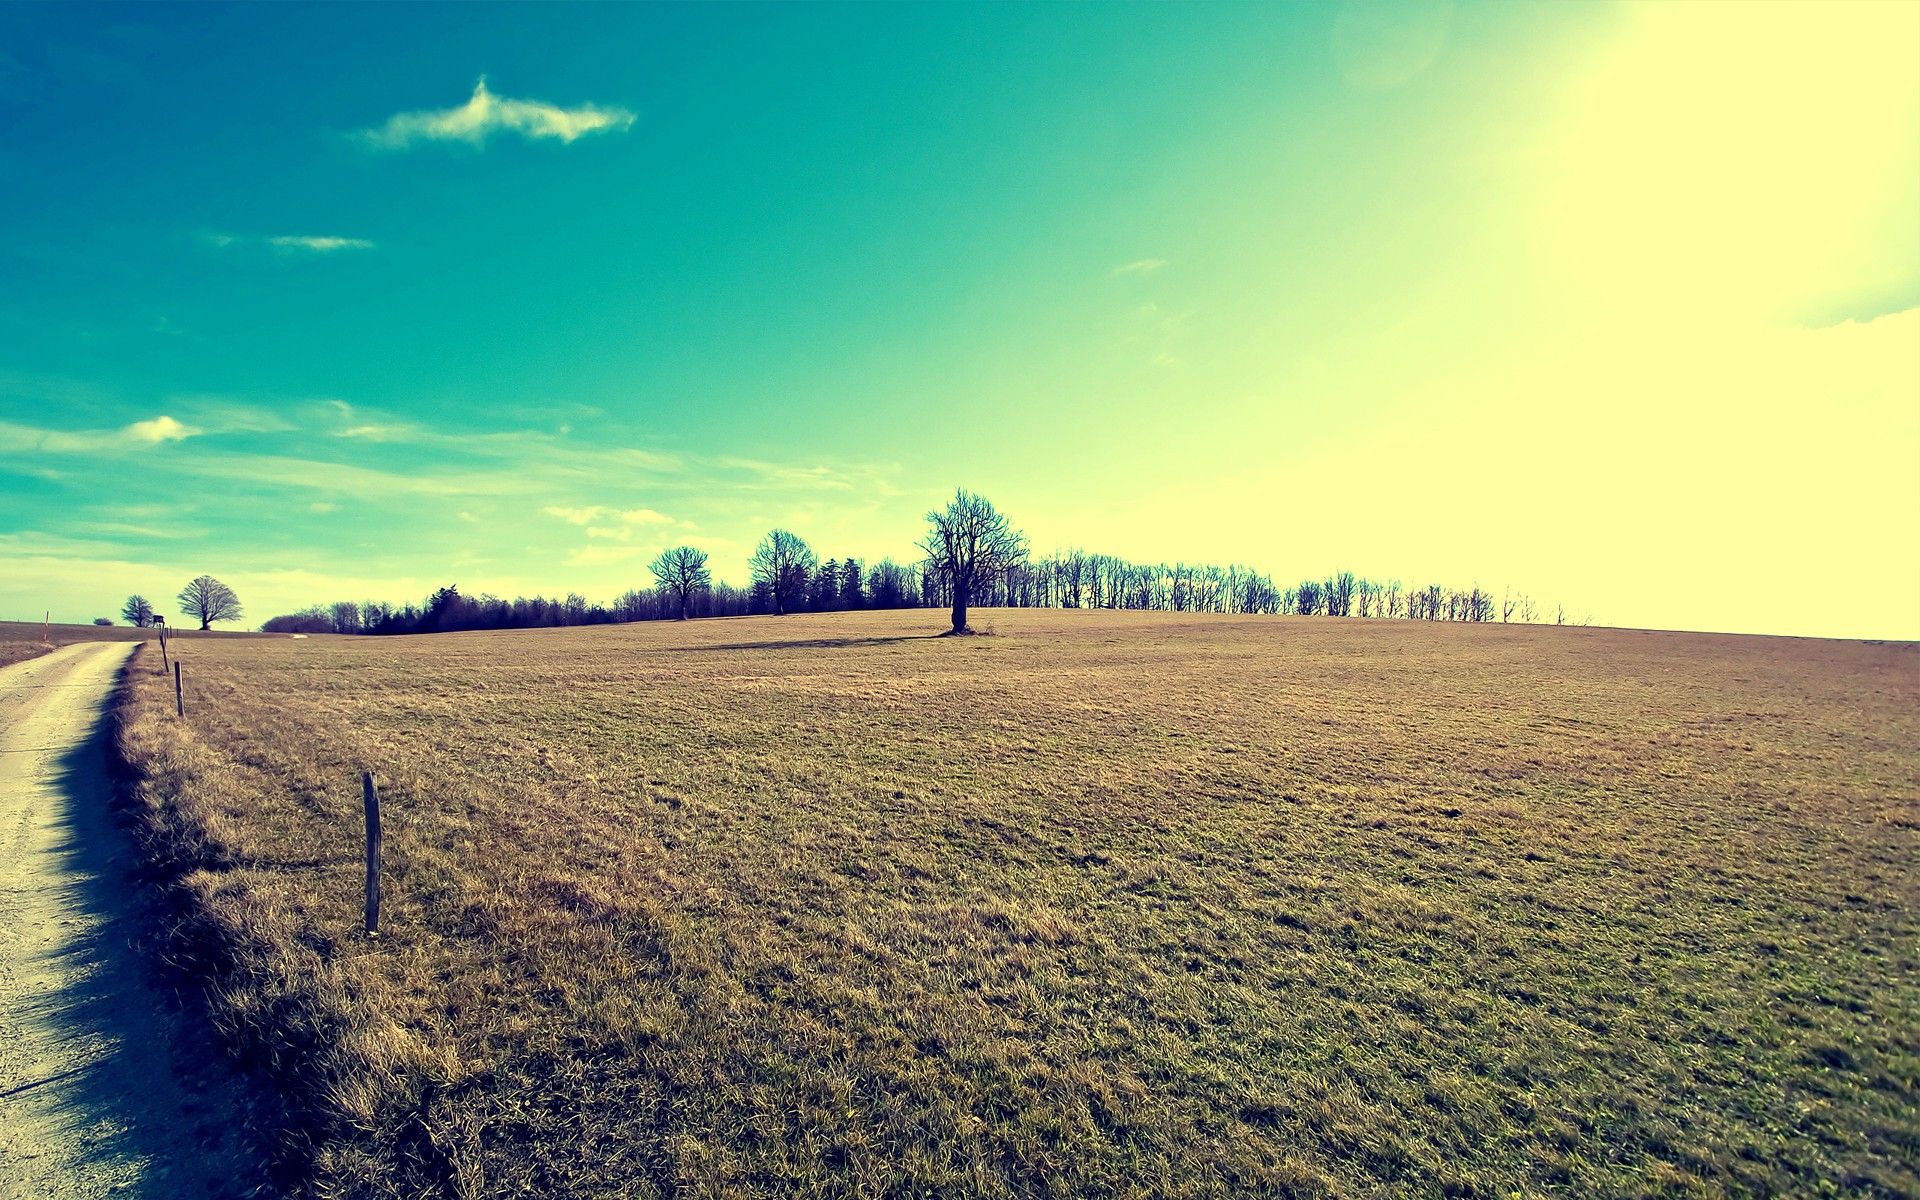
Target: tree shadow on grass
(811, 643)
(124, 1087)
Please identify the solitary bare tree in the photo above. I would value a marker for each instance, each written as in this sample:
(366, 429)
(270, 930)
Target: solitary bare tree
(682, 571)
(968, 543)
(783, 562)
(137, 611)
(209, 600)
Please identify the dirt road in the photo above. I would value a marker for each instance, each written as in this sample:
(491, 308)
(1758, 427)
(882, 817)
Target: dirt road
(105, 1089)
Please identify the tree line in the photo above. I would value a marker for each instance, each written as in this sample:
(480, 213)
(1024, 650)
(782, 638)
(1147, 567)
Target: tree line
(972, 556)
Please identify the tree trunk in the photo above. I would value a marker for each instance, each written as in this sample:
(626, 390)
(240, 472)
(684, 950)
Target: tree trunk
(205, 624)
(960, 599)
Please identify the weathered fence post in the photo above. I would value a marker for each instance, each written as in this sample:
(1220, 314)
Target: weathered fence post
(372, 797)
(179, 698)
(165, 665)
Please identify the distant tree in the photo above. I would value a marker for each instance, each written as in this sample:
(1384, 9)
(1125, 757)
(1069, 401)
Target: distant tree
(345, 617)
(783, 563)
(446, 610)
(633, 605)
(1479, 604)
(137, 611)
(207, 600)
(682, 571)
(1309, 599)
(851, 595)
(823, 590)
(887, 585)
(307, 620)
(967, 544)
(1338, 594)
(103, 620)
(1073, 577)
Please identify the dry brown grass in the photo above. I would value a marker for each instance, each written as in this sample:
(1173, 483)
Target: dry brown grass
(1104, 904)
(21, 640)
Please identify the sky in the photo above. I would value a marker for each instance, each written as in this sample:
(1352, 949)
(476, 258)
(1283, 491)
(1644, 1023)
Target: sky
(1614, 305)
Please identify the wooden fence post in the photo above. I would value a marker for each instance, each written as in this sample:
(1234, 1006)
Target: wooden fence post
(372, 798)
(165, 665)
(179, 699)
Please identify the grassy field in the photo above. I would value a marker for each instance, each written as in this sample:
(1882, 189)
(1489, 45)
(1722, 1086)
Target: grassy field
(20, 640)
(1104, 904)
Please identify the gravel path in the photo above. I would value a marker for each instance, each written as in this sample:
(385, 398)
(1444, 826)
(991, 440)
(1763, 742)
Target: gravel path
(105, 1090)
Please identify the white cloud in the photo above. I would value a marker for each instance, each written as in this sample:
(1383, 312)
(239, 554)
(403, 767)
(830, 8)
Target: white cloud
(222, 414)
(288, 243)
(151, 432)
(590, 556)
(485, 114)
(323, 506)
(624, 522)
(1139, 266)
(586, 514)
(158, 429)
(319, 245)
(780, 475)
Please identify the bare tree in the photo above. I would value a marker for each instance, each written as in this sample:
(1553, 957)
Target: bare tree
(208, 600)
(137, 611)
(345, 616)
(968, 543)
(782, 563)
(682, 570)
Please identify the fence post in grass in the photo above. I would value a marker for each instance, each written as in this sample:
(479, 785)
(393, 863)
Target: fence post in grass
(179, 698)
(372, 796)
(164, 663)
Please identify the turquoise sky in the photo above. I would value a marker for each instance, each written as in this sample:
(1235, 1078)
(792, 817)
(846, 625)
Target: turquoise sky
(1616, 305)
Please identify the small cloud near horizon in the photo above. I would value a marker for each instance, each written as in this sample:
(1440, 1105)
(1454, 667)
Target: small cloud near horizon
(1139, 266)
(485, 114)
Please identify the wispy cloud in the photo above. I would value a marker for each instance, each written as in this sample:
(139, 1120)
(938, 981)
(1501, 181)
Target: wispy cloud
(485, 114)
(591, 556)
(152, 432)
(780, 475)
(319, 245)
(145, 532)
(1139, 266)
(222, 414)
(288, 243)
(588, 514)
(284, 473)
